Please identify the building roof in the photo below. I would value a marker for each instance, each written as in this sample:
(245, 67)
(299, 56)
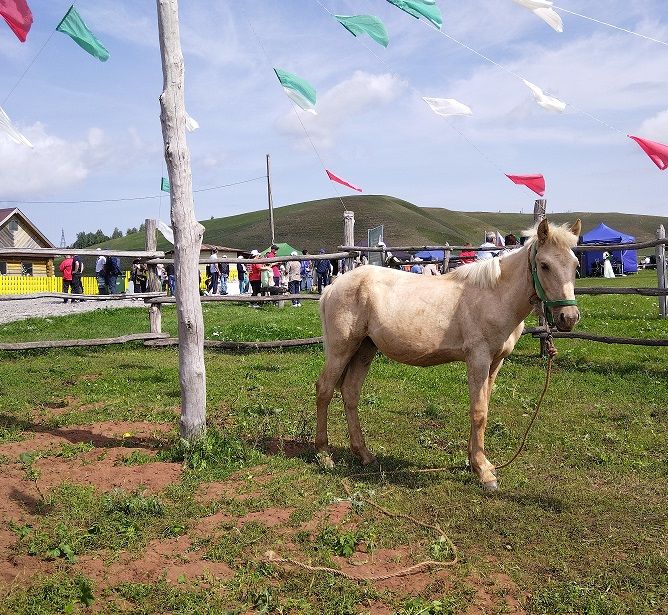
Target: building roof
(6, 214)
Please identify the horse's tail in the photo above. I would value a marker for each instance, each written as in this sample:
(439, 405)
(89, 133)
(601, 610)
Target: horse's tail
(323, 313)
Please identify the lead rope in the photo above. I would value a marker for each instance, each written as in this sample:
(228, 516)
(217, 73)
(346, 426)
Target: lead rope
(274, 558)
(551, 352)
(271, 556)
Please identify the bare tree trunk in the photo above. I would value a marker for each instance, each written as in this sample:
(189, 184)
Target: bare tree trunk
(188, 232)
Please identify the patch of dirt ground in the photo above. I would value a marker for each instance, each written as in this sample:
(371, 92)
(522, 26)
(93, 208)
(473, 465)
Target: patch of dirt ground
(179, 559)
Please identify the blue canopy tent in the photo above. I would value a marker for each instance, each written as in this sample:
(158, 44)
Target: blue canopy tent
(430, 255)
(603, 234)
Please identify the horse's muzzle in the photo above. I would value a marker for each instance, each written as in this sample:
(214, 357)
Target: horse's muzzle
(567, 318)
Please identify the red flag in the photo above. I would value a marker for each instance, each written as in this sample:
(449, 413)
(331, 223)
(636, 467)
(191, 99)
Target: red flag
(334, 178)
(533, 182)
(658, 152)
(18, 16)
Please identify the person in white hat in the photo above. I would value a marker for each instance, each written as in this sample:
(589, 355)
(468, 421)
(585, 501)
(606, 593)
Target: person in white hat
(294, 278)
(99, 274)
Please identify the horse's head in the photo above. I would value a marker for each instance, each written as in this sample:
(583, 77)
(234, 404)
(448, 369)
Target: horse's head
(553, 267)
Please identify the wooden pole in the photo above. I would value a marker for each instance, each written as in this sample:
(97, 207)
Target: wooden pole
(271, 203)
(446, 259)
(539, 214)
(188, 232)
(661, 271)
(349, 235)
(150, 245)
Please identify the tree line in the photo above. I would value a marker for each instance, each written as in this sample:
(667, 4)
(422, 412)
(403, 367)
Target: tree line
(85, 239)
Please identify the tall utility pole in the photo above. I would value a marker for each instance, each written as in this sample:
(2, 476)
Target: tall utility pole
(271, 204)
(63, 243)
(188, 232)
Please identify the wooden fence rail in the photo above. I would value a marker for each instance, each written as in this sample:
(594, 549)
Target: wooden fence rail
(134, 337)
(539, 332)
(611, 290)
(120, 296)
(155, 300)
(579, 248)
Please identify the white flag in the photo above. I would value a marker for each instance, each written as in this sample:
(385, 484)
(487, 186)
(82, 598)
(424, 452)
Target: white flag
(544, 10)
(191, 124)
(447, 106)
(9, 128)
(544, 100)
(166, 231)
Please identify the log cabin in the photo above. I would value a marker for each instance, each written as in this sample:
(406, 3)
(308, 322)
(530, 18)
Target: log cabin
(17, 231)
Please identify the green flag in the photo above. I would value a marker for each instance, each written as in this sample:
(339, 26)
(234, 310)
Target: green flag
(365, 24)
(299, 91)
(421, 8)
(73, 26)
(164, 184)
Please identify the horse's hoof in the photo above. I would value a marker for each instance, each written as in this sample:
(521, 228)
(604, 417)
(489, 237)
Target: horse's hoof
(367, 459)
(325, 460)
(492, 485)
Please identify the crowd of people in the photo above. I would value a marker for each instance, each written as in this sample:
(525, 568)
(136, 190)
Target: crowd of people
(303, 274)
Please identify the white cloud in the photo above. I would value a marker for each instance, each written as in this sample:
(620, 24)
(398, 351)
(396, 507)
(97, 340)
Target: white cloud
(56, 163)
(344, 104)
(655, 128)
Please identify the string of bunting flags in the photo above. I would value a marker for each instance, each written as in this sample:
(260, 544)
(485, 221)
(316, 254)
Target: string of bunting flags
(19, 18)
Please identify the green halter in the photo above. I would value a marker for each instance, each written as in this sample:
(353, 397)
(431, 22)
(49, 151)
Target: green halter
(538, 287)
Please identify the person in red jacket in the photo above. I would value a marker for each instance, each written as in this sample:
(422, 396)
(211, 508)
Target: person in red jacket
(66, 270)
(467, 256)
(254, 275)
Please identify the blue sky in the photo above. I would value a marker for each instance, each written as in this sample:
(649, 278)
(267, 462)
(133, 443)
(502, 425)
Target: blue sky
(97, 134)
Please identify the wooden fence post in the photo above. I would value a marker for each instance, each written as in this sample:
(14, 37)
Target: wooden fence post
(155, 317)
(188, 232)
(349, 234)
(660, 252)
(151, 245)
(446, 259)
(539, 214)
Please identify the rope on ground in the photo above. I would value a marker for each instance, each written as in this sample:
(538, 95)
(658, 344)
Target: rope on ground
(272, 557)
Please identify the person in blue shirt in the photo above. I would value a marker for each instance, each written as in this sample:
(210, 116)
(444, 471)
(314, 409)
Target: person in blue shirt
(323, 268)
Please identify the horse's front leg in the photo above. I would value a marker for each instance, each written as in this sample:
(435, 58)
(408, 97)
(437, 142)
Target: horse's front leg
(479, 384)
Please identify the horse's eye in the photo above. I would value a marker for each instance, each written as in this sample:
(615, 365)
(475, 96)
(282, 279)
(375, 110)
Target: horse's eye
(544, 266)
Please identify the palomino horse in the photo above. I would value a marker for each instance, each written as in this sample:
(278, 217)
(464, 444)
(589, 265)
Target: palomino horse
(474, 314)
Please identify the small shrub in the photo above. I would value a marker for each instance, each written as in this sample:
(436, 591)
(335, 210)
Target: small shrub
(216, 453)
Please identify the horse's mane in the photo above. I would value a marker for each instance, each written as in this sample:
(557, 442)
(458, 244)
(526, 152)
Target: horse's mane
(560, 235)
(486, 273)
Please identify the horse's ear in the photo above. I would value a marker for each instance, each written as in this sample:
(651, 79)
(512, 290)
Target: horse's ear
(576, 229)
(543, 230)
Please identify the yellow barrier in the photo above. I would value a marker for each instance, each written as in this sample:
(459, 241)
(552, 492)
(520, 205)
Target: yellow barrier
(25, 285)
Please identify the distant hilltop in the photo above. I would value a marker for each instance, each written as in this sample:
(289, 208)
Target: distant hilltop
(319, 224)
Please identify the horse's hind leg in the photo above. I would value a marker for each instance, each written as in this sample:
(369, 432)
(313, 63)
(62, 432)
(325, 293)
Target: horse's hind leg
(351, 387)
(332, 373)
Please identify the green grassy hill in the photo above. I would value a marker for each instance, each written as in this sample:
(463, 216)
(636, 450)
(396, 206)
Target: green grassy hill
(316, 224)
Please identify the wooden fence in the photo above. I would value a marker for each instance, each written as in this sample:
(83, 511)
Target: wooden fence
(155, 300)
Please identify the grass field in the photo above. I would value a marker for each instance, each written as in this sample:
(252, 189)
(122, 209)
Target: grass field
(100, 513)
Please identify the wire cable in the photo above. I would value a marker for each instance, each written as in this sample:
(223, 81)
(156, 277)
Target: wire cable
(134, 198)
(294, 109)
(605, 23)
